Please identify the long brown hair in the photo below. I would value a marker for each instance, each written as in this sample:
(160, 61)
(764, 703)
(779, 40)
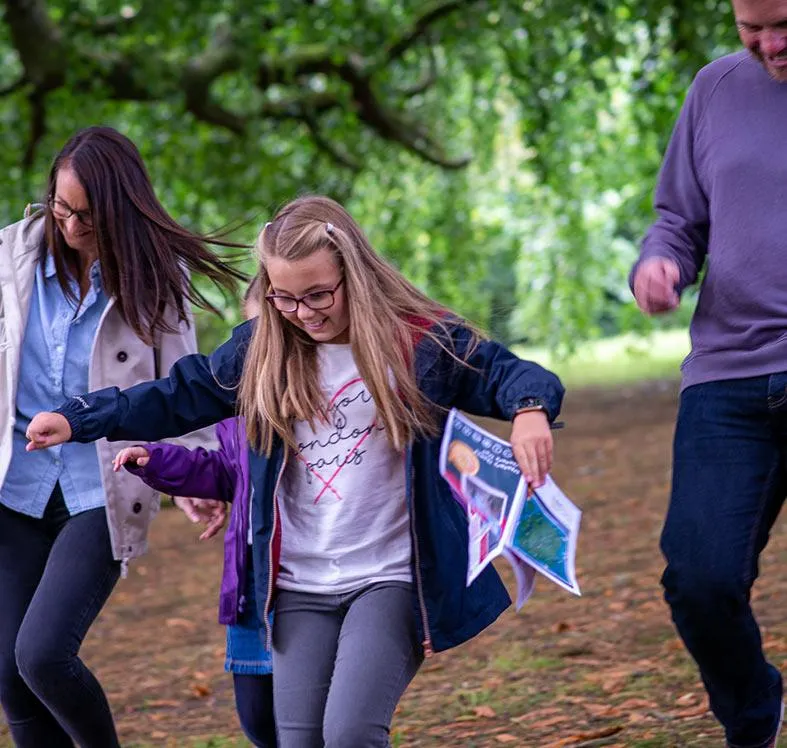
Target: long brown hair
(147, 259)
(280, 380)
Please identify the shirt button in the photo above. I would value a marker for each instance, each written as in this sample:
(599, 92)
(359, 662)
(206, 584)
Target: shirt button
(122, 356)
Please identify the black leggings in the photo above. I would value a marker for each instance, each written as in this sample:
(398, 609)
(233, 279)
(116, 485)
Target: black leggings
(56, 573)
(254, 702)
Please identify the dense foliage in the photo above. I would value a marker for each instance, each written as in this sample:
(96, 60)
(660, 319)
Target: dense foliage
(503, 154)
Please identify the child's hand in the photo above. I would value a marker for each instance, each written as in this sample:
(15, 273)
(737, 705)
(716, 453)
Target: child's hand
(47, 430)
(140, 455)
(531, 442)
(209, 512)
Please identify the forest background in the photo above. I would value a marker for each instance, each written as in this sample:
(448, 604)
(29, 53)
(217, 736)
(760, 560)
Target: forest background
(502, 154)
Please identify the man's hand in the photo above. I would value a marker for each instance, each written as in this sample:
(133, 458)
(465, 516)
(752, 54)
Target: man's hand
(654, 285)
(47, 430)
(209, 512)
(531, 443)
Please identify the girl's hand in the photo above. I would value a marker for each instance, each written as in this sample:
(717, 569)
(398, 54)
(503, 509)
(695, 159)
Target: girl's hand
(531, 442)
(209, 512)
(47, 430)
(140, 455)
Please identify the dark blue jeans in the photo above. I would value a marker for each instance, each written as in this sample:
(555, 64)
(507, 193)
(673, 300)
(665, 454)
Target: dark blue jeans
(728, 485)
(56, 573)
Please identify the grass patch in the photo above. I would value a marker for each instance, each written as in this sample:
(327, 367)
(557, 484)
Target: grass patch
(623, 359)
(545, 663)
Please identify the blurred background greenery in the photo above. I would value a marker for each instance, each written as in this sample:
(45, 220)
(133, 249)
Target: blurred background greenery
(502, 154)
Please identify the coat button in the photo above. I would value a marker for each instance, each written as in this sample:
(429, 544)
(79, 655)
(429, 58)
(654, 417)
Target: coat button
(137, 508)
(122, 356)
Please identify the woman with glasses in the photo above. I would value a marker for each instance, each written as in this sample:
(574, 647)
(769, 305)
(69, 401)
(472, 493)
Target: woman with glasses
(95, 291)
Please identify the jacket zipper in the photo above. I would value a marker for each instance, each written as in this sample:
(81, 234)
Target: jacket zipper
(268, 628)
(427, 642)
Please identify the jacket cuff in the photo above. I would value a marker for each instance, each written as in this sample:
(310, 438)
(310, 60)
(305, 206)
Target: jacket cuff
(74, 410)
(153, 466)
(550, 397)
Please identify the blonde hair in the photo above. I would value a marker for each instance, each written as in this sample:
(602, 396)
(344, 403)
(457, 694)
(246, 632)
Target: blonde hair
(280, 381)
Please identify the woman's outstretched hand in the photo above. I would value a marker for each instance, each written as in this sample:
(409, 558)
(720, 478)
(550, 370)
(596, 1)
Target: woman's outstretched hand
(531, 442)
(210, 512)
(47, 430)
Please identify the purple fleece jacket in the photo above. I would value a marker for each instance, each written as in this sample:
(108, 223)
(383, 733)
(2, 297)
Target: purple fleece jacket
(722, 195)
(221, 474)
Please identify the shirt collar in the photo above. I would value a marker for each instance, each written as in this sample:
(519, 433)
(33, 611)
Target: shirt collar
(49, 265)
(95, 271)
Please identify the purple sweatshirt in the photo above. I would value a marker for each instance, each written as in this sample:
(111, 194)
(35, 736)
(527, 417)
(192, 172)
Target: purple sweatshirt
(221, 474)
(722, 194)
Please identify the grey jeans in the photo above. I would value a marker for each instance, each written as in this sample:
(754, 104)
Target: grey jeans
(341, 664)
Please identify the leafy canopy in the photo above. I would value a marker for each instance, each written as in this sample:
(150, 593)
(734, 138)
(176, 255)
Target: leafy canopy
(502, 154)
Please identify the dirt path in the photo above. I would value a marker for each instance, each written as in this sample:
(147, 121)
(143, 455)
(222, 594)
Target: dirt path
(604, 669)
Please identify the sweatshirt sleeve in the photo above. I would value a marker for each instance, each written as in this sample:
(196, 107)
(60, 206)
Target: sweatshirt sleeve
(199, 391)
(176, 470)
(680, 231)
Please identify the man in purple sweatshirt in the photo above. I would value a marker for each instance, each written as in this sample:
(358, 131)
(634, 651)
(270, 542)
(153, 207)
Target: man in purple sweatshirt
(722, 201)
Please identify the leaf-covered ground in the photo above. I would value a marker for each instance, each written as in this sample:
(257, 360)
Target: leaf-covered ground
(601, 670)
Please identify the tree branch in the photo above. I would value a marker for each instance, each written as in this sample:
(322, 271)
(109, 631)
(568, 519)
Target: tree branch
(294, 107)
(436, 12)
(46, 55)
(39, 44)
(306, 60)
(37, 126)
(339, 156)
(392, 126)
(428, 79)
(199, 75)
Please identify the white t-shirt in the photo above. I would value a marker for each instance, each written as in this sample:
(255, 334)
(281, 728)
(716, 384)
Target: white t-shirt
(342, 496)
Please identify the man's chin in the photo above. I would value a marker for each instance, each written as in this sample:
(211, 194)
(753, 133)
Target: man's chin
(779, 74)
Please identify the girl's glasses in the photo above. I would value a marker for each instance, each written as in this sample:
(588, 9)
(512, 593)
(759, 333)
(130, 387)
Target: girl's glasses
(62, 212)
(316, 301)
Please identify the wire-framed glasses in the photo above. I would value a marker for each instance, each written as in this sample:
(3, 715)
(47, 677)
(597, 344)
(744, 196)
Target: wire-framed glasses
(316, 300)
(63, 212)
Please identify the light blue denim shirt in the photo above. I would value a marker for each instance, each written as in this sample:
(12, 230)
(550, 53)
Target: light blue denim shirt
(54, 365)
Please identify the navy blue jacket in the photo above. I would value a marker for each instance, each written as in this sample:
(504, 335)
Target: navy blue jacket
(201, 390)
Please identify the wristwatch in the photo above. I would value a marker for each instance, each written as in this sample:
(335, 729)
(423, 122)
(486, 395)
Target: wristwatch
(530, 404)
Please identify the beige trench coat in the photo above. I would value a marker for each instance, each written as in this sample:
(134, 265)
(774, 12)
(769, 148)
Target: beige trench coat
(118, 358)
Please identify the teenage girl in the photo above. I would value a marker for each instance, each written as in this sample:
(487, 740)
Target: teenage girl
(344, 381)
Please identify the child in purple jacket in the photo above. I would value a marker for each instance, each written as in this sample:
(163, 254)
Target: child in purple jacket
(224, 474)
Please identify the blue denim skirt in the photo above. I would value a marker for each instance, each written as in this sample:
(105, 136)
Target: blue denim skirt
(246, 652)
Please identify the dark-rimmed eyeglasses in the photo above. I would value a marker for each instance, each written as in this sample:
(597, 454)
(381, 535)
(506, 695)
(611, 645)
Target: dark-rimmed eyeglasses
(316, 300)
(62, 212)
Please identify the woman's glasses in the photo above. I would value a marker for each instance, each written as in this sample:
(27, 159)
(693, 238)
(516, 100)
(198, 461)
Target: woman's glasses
(316, 301)
(62, 212)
